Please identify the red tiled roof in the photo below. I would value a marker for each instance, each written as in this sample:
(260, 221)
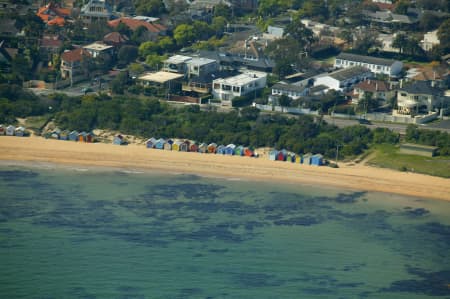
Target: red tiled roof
(135, 24)
(53, 14)
(51, 42)
(372, 86)
(74, 55)
(115, 37)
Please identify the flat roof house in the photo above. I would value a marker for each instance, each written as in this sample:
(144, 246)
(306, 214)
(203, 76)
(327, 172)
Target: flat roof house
(343, 80)
(176, 64)
(225, 89)
(377, 65)
(97, 49)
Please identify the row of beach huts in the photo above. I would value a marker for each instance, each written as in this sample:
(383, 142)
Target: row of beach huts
(184, 145)
(70, 135)
(230, 149)
(192, 146)
(12, 131)
(308, 159)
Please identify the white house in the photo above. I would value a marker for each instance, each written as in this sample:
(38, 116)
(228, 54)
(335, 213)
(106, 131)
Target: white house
(430, 39)
(377, 65)
(419, 97)
(225, 89)
(97, 49)
(294, 91)
(344, 79)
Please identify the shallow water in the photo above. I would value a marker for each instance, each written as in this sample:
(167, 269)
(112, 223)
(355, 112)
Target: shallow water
(102, 233)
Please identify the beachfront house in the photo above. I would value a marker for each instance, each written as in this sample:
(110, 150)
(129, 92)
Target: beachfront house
(2, 130)
(248, 83)
(184, 146)
(160, 143)
(212, 148)
(344, 79)
(10, 130)
(376, 65)
(119, 140)
(73, 136)
(150, 143)
(317, 160)
(203, 148)
(229, 149)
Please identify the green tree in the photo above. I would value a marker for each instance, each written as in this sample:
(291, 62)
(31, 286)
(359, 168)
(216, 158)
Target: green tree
(284, 101)
(444, 36)
(166, 44)
(150, 7)
(127, 54)
(139, 35)
(155, 60)
(148, 48)
(300, 33)
(184, 34)
(222, 10)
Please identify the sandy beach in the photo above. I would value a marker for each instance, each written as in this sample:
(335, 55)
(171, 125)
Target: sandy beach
(135, 157)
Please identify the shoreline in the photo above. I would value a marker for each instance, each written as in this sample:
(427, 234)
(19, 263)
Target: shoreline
(138, 157)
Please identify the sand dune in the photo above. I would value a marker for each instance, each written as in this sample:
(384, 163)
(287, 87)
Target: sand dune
(357, 177)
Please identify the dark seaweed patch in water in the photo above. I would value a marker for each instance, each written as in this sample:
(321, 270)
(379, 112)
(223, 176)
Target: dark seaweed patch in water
(14, 175)
(415, 212)
(349, 197)
(303, 221)
(255, 280)
(430, 283)
(435, 228)
(190, 191)
(188, 177)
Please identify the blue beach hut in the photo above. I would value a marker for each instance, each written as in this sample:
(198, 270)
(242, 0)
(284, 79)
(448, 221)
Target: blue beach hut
(221, 149)
(150, 143)
(229, 149)
(160, 143)
(317, 160)
(73, 136)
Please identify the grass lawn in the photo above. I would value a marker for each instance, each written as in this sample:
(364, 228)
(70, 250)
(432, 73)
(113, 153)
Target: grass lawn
(388, 156)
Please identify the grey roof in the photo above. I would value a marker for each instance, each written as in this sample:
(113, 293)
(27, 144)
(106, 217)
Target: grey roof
(288, 87)
(422, 87)
(365, 59)
(348, 73)
(318, 88)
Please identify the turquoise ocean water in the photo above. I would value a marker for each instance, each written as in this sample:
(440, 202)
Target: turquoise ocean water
(68, 232)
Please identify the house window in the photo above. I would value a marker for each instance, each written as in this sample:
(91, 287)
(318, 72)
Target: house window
(338, 61)
(236, 88)
(216, 86)
(226, 87)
